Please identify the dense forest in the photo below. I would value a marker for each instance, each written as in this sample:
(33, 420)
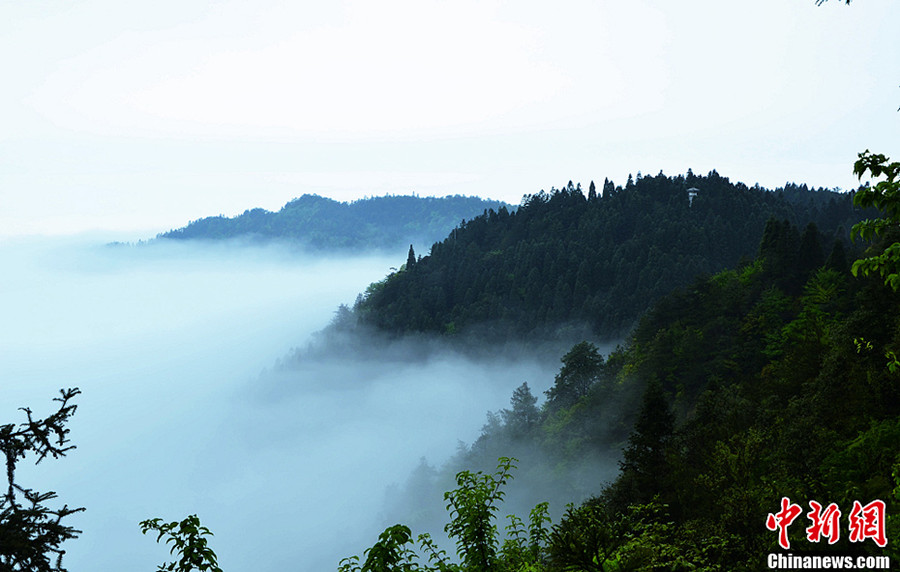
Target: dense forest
(747, 401)
(320, 223)
(598, 258)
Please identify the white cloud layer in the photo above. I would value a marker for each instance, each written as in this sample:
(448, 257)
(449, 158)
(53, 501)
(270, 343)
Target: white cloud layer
(167, 344)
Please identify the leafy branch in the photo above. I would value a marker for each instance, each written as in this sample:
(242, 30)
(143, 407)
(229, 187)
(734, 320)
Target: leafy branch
(473, 506)
(884, 196)
(188, 539)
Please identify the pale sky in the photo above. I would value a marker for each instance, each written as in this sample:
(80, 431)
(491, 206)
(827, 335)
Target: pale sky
(138, 117)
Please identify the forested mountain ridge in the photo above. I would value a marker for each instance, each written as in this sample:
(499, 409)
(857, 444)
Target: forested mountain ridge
(601, 259)
(321, 223)
(733, 393)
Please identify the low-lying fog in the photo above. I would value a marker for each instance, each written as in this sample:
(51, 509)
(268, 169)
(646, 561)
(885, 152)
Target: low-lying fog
(167, 344)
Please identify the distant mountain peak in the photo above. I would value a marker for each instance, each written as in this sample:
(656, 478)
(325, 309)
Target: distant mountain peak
(321, 223)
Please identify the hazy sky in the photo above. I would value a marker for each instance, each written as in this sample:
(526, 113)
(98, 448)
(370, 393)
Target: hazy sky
(138, 117)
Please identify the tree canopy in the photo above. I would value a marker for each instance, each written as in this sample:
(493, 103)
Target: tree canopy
(563, 260)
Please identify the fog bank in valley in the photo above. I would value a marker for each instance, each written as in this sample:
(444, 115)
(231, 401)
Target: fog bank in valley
(288, 467)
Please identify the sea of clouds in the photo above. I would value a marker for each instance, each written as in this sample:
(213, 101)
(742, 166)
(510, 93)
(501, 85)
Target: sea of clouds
(184, 409)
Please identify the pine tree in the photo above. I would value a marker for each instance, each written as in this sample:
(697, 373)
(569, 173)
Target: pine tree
(608, 188)
(810, 254)
(30, 531)
(644, 464)
(524, 415)
(582, 367)
(411, 258)
(837, 260)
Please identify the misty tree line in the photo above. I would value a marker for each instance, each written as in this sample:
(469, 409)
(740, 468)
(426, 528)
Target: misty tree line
(602, 258)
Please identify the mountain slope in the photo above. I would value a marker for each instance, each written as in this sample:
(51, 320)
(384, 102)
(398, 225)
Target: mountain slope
(746, 387)
(600, 260)
(317, 222)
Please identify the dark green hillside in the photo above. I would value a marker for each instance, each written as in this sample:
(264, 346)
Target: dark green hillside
(772, 394)
(602, 258)
(739, 390)
(755, 414)
(322, 223)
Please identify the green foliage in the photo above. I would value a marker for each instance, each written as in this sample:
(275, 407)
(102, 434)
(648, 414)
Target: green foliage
(763, 382)
(189, 542)
(591, 538)
(884, 196)
(473, 507)
(806, 410)
(653, 541)
(893, 363)
(866, 461)
(523, 547)
(435, 555)
(582, 368)
(392, 553)
(523, 417)
(587, 538)
(31, 534)
(645, 468)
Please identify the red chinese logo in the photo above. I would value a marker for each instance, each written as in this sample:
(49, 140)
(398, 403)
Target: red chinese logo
(868, 522)
(865, 522)
(825, 523)
(783, 519)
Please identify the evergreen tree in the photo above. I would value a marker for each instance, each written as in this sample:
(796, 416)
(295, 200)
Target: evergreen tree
(411, 258)
(837, 260)
(31, 533)
(644, 464)
(810, 255)
(582, 367)
(608, 188)
(524, 415)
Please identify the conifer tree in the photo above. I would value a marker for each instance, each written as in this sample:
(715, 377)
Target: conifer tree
(810, 254)
(524, 415)
(31, 533)
(608, 188)
(643, 464)
(582, 366)
(411, 258)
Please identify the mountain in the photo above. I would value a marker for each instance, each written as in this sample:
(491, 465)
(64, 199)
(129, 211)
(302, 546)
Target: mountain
(564, 258)
(320, 223)
(737, 404)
